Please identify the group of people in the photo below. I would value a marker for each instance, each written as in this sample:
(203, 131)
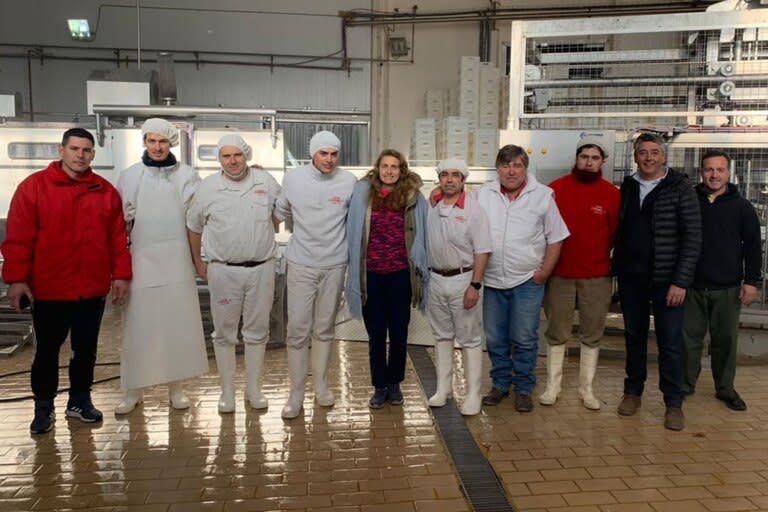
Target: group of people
(481, 260)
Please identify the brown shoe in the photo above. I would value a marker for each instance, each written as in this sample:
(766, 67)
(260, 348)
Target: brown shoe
(494, 396)
(674, 419)
(523, 402)
(629, 405)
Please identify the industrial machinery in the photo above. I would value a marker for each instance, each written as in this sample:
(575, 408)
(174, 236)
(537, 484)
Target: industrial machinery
(698, 79)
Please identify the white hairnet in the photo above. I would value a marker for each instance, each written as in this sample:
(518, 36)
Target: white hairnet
(235, 140)
(160, 127)
(453, 163)
(322, 140)
(590, 140)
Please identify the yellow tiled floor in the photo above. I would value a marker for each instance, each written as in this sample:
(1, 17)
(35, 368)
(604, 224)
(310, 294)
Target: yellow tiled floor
(348, 458)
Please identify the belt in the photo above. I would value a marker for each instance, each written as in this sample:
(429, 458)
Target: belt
(247, 264)
(451, 271)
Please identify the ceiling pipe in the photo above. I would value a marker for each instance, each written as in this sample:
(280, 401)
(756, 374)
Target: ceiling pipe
(360, 18)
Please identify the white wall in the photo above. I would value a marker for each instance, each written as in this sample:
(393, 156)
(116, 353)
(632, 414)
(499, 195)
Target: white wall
(301, 27)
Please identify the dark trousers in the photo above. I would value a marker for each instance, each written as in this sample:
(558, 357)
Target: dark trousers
(53, 320)
(387, 311)
(636, 293)
(716, 311)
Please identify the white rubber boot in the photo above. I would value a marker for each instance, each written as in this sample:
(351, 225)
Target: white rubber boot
(321, 356)
(254, 369)
(473, 375)
(297, 376)
(555, 357)
(178, 398)
(444, 370)
(226, 363)
(587, 370)
(131, 398)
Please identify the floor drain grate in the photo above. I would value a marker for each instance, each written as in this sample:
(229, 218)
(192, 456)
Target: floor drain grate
(479, 481)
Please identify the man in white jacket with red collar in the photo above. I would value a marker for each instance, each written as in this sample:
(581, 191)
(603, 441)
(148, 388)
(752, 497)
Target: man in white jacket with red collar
(316, 196)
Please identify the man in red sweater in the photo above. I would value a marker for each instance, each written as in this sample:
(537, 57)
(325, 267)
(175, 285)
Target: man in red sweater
(66, 248)
(590, 207)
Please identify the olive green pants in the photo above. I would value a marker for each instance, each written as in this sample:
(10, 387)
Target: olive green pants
(716, 311)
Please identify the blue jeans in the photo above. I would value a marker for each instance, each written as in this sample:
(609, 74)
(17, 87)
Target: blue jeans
(386, 314)
(511, 319)
(636, 293)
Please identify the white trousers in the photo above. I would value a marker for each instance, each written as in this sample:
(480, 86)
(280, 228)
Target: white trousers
(313, 301)
(446, 313)
(241, 291)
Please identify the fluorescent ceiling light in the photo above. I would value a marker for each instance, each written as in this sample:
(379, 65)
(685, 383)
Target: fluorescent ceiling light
(79, 30)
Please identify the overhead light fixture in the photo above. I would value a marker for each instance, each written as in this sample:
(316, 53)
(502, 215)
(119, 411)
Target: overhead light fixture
(79, 30)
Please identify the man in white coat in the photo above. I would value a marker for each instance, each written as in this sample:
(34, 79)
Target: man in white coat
(316, 196)
(231, 219)
(163, 340)
(459, 244)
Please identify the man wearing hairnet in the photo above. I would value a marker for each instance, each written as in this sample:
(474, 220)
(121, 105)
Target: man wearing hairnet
(459, 245)
(230, 218)
(316, 196)
(163, 341)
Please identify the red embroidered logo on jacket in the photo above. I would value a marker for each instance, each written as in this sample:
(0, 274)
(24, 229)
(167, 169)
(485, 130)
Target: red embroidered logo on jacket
(336, 200)
(260, 192)
(460, 218)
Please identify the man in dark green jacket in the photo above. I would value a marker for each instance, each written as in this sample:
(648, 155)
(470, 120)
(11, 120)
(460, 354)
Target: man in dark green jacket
(727, 276)
(657, 247)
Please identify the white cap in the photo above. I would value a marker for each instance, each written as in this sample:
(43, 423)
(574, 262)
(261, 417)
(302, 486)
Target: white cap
(453, 163)
(590, 140)
(323, 140)
(161, 127)
(235, 140)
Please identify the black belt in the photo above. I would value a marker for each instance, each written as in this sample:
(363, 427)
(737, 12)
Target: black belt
(247, 264)
(451, 271)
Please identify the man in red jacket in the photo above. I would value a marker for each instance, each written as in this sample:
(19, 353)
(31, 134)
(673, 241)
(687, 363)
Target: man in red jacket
(590, 207)
(66, 247)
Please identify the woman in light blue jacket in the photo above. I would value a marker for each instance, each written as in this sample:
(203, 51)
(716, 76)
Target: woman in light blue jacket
(387, 272)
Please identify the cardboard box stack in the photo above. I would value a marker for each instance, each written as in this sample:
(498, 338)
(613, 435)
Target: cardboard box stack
(463, 122)
(423, 142)
(469, 90)
(453, 138)
(484, 146)
(436, 103)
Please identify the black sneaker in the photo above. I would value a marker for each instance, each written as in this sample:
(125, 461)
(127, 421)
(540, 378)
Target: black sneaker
(379, 398)
(82, 408)
(44, 417)
(395, 395)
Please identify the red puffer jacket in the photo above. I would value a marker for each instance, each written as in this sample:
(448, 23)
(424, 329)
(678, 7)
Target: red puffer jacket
(66, 238)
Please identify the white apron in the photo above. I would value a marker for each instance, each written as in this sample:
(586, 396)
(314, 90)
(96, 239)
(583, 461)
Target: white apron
(163, 338)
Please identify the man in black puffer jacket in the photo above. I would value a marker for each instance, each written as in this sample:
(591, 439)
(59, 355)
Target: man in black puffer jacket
(657, 246)
(727, 277)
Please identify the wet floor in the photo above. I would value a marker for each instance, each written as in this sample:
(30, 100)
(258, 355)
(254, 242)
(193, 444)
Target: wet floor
(349, 458)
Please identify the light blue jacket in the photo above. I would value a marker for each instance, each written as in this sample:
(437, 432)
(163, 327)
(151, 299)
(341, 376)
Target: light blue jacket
(358, 228)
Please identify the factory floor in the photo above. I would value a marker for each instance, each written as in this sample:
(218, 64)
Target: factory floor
(349, 458)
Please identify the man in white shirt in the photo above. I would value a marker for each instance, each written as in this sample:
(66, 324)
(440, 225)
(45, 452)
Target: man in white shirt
(459, 243)
(230, 218)
(316, 196)
(527, 233)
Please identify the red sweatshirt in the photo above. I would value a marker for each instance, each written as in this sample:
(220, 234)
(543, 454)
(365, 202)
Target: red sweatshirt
(591, 212)
(66, 238)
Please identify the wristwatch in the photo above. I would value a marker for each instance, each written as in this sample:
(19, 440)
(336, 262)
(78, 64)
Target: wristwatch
(476, 285)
